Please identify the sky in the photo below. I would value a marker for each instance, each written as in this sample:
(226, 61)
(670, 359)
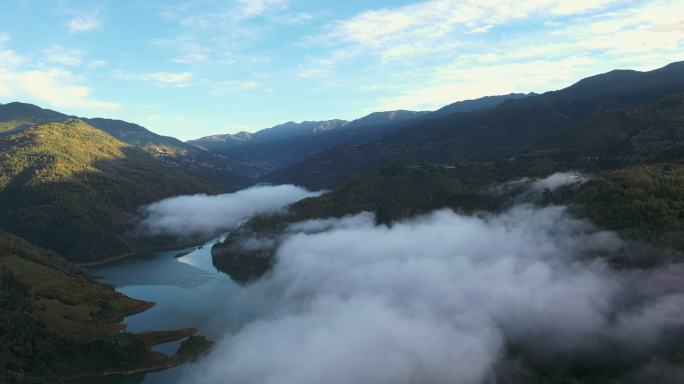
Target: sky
(194, 68)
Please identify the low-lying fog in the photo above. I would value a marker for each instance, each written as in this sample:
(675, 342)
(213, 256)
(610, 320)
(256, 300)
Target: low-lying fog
(441, 298)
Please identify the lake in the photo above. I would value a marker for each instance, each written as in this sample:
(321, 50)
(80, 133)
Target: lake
(188, 291)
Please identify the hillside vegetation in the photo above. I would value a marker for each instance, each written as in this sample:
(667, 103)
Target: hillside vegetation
(71, 188)
(288, 143)
(392, 193)
(636, 190)
(230, 173)
(50, 317)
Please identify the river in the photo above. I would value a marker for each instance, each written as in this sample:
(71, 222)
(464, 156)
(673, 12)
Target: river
(188, 291)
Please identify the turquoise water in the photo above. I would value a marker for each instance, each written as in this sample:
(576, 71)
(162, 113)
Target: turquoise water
(188, 291)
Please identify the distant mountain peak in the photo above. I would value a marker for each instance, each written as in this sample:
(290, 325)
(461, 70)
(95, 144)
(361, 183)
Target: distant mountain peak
(243, 136)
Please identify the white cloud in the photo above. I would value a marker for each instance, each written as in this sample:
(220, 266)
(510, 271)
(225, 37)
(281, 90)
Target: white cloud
(60, 55)
(438, 299)
(57, 87)
(9, 58)
(179, 119)
(434, 20)
(253, 8)
(95, 64)
(155, 117)
(470, 78)
(227, 16)
(186, 216)
(85, 22)
(189, 51)
(484, 29)
(249, 85)
(444, 68)
(162, 78)
(294, 18)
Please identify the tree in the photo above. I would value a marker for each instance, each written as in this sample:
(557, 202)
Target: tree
(547, 194)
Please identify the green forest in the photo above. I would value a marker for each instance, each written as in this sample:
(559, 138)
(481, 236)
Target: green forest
(50, 318)
(72, 188)
(634, 154)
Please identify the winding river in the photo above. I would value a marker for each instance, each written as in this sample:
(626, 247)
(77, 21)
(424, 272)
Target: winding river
(188, 291)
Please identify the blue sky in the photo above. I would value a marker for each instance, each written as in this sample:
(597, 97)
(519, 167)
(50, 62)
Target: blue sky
(200, 67)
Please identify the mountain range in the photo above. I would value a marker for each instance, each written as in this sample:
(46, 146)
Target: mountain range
(288, 143)
(64, 176)
(502, 132)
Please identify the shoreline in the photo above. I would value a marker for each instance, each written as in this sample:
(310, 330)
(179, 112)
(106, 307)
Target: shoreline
(159, 360)
(166, 363)
(251, 268)
(136, 250)
(144, 306)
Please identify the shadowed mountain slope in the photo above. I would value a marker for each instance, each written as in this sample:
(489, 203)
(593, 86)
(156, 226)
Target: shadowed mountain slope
(288, 143)
(231, 171)
(636, 154)
(499, 133)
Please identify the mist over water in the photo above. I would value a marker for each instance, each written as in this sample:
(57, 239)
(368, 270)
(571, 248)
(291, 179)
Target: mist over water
(187, 216)
(441, 298)
(437, 299)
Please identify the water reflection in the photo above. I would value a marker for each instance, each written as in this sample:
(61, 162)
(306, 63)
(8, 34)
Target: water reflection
(238, 274)
(189, 291)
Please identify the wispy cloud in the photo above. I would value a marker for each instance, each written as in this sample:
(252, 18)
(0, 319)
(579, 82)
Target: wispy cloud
(249, 85)
(436, 20)
(179, 119)
(162, 78)
(96, 63)
(432, 54)
(60, 55)
(224, 15)
(85, 22)
(293, 18)
(155, 117)
(484, 29)
(189, 51)
(231, 86)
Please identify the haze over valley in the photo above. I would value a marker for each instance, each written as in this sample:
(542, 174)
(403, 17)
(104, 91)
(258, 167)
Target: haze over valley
(276, 191)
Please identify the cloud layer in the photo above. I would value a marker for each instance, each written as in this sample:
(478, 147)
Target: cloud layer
(185, 216)
(438, 299)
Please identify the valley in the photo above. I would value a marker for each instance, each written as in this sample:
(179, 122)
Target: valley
(103, 224)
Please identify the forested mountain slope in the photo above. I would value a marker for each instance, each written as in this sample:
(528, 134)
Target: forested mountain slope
(71, 188)
(56, 321)
(18, 116)
(231, 170)
(635, 153)
(500, 133)
(288, 143)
